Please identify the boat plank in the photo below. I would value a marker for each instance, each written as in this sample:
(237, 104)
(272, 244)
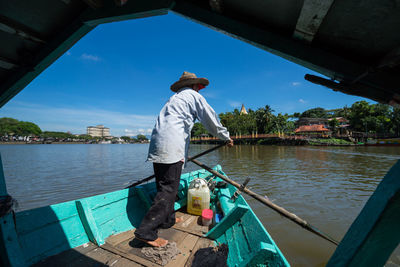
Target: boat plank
(186, 248)
(114, 240)
(65, 258)
(52, 240)
(134, 246)
(103, 257)
(191, 224)
(122, 262)
(201, 243)
(130, 256)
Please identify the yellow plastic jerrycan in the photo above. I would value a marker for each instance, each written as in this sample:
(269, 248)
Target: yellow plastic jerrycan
(198, 196)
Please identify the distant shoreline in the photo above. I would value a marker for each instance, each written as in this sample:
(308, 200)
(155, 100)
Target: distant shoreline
(59, 143)
(25, 143)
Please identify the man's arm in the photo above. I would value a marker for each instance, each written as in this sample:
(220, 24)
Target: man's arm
(208, 117)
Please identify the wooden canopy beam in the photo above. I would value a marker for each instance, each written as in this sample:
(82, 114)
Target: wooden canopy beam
(7, 64)
(46, 56)
(110, 12)
(311, 16)
(15, 28)
(355, 89)
(95, 4)
(301, 53)
(75, 30)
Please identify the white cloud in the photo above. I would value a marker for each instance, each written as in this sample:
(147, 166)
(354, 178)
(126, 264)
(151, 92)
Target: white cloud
(208, 94)
(68, 53)
(296, 83)
(135, 132)
(235, 104)
(77, 119)
(302, 101)
(90, 57)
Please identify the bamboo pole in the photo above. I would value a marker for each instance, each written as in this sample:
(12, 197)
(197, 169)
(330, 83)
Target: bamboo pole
(189, 159)
(293, 217)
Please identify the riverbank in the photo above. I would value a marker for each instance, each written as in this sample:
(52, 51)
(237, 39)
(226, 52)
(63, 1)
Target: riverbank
(37, 143)
(288, 142)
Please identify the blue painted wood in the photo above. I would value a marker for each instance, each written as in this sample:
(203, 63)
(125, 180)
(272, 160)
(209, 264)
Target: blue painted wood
(115, 212)
(231, 218)
(234, 255)
(32, 220)
(224, 197)
(49, 230)
(375, 233)
(46, 231)
(10, 250)
(265, 253)
(261, 245)
(11, 253)
(240, 241)
(88, 222)
(3, 187)
(143, 196)
(52, 239)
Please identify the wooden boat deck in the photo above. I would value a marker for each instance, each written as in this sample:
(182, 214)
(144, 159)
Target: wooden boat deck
(124, 250)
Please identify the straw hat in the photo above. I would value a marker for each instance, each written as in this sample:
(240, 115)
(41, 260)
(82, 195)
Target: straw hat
(187, 79)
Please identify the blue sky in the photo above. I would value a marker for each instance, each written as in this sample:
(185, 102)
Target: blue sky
(119, 75)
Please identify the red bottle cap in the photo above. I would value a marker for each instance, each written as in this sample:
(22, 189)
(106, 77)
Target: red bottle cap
(207, 214)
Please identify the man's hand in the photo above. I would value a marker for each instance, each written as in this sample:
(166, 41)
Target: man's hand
(230, 143)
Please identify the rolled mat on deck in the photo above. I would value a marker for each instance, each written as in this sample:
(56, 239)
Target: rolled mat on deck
(162, 255)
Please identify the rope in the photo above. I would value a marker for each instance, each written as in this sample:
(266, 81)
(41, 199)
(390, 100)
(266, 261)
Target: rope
(6, 204)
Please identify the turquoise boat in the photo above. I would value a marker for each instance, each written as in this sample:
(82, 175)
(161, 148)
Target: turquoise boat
(99, 230)
(359, 57)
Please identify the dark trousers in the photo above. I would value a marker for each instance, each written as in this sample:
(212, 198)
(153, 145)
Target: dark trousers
(161, 214)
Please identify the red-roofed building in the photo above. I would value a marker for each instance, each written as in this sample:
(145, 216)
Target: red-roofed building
(312, 129)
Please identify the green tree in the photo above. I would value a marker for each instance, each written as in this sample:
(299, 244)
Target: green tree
(281, 124)
(396, 121)
(359, 112)
(198, 129)
(314, 113)
(141, 137)
(8, 126)
(126, 138)
(263, 118)
(28, 128)
(296, 115)
(57, 135)
(22, 128)
(334, 124)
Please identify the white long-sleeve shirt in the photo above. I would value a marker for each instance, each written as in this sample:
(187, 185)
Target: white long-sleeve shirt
(171, 134)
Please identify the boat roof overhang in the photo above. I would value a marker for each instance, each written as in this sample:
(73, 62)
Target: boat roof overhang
(355, 44)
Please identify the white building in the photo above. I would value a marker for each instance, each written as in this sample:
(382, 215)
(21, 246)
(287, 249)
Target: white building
(98, 131)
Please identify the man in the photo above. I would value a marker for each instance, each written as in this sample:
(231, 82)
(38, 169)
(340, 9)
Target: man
(169, 150)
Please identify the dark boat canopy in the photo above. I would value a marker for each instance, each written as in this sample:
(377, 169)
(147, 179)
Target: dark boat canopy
(355, 44)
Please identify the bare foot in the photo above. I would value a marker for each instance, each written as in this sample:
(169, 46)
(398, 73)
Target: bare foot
(159, 242)
(178, 219)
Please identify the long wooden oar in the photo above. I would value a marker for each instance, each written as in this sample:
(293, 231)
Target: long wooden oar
(270, 204)
(189, 159)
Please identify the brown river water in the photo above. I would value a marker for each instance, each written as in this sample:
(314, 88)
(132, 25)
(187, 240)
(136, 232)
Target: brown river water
(327, 186)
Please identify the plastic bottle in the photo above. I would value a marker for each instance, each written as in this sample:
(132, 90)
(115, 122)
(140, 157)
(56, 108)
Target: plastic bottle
(198, 196)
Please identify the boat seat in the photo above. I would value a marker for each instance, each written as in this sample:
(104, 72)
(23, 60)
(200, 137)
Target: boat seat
(228, 221)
